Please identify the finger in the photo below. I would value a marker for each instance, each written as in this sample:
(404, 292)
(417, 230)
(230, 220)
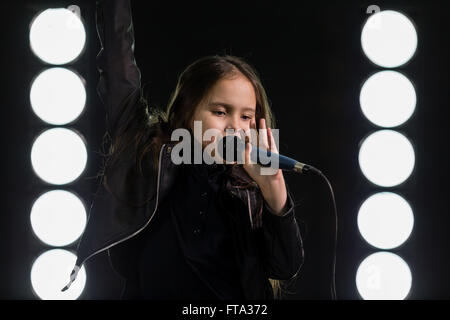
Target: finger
(243, 135)
(253, 133)
(263, 133)
(273, 145)
(262, 123)
(248, 149)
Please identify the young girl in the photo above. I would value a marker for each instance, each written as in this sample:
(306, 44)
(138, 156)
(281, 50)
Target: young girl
(186, 231)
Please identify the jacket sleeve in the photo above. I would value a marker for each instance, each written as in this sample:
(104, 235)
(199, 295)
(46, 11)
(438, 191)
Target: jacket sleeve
(119, 89)
(119, 85)
(283, 243)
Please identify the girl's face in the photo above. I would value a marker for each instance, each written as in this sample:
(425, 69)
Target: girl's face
(231, 104)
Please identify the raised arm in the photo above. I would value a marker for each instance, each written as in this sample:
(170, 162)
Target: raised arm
(119, 86)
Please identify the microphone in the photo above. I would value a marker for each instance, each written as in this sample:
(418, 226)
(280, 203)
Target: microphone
(284, 163)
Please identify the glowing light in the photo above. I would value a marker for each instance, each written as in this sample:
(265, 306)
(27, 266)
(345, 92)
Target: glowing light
(58, 156)
(51, 272)
(385, 220)
(58, 96)
(383, 276)
(388, 99)
(58, 217)
(386, 158)
(389, 39)
(57, 36)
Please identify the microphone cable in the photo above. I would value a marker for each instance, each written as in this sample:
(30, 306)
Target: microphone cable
(305, 169)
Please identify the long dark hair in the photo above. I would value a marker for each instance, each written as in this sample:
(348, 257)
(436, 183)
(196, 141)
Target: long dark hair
(150, 128)
(195, 82)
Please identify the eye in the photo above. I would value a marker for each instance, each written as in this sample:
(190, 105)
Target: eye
(218, 112)
(247, 117)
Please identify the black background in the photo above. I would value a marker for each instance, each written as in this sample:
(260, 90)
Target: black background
(311, 63)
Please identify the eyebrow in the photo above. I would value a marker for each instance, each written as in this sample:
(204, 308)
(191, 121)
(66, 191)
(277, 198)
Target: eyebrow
(228, 106)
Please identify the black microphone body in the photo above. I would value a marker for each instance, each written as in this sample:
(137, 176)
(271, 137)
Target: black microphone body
(264, 157)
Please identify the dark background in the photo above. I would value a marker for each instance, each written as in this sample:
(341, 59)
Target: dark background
(311, 63)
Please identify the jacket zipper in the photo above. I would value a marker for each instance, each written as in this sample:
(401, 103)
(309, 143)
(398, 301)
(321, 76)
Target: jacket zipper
(74, 273)
(142, 228)
(249, 208)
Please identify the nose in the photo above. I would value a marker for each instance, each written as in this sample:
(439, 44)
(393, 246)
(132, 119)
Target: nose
(233, 123)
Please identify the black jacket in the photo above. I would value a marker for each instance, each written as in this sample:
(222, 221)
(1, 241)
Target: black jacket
(114, 216)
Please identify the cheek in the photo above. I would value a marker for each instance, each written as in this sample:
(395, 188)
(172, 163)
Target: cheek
(246, 125)
(200, 117)
(210, 122)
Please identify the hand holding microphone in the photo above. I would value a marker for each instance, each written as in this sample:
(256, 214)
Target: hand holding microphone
(231, 149)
